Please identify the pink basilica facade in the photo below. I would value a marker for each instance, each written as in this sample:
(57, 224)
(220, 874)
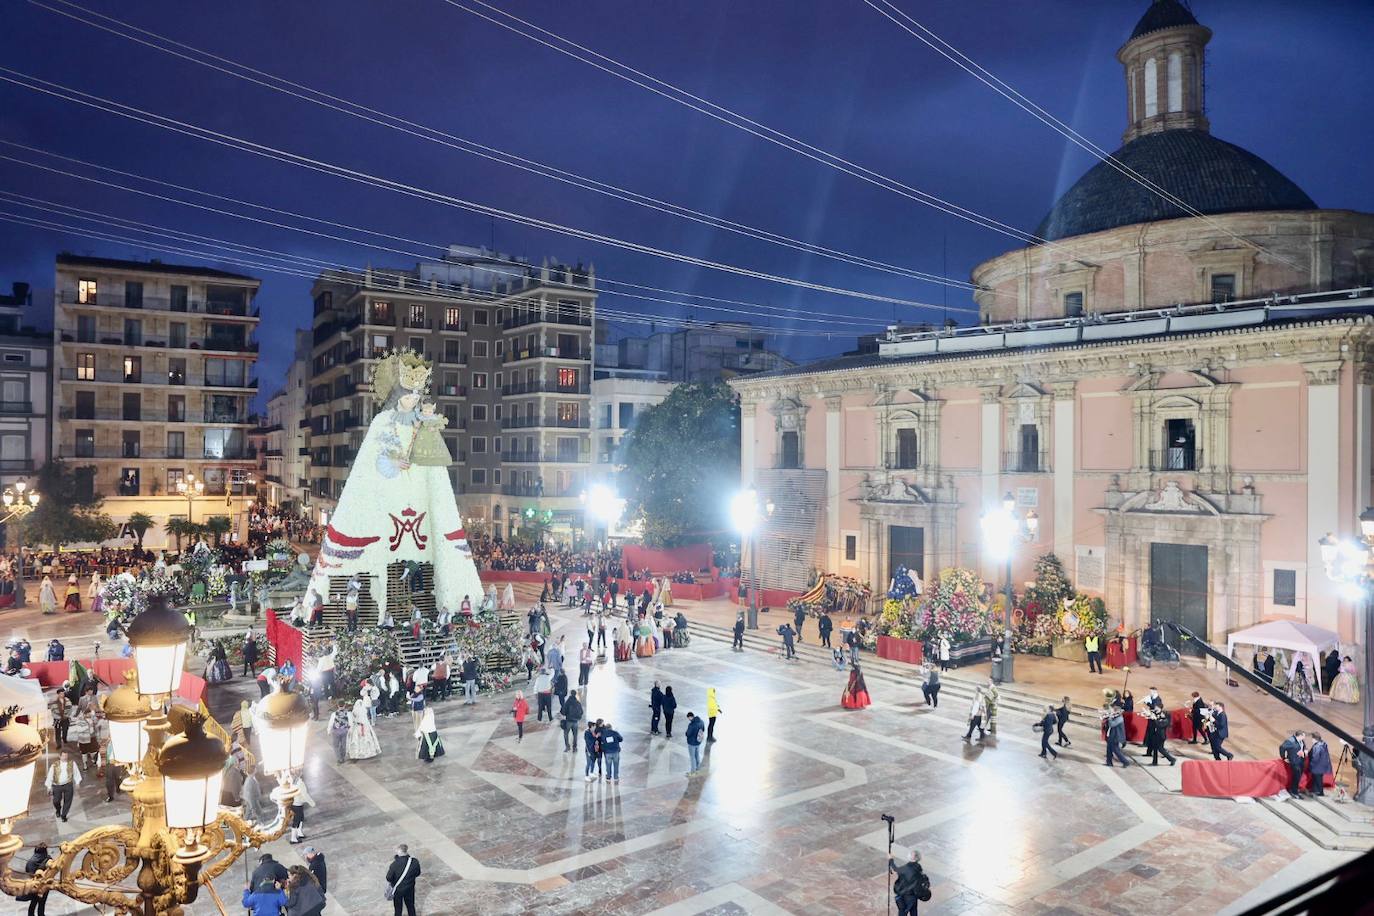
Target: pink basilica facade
(1182, 394)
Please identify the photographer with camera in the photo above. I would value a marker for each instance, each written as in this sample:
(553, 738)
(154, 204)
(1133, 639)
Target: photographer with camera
(912, 886)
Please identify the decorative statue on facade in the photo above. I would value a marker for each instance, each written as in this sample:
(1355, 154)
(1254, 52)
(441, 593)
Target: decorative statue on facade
(397, 506)
(905, 584)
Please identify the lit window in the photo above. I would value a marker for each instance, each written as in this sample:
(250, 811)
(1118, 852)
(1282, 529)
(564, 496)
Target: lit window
(567, 411)
(417, 316)
(85, 367)
(1223, 287)
(85, 292)
(567, 378)
(479, 380)
(453, 318)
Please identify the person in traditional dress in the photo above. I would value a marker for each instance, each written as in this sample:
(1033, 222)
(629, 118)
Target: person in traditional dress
(362, 738)
(47, 596)
(72, 601)
(93, 591)
(1346, 687)
(508, 598)
(855, 694)
(218, 671)
(431, 745)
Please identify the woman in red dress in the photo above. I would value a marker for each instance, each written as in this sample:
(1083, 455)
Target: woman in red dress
(855, 694)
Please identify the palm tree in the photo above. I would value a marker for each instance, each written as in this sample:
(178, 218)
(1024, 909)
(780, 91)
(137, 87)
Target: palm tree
(139, 523)
(218, 526)
(179, 528)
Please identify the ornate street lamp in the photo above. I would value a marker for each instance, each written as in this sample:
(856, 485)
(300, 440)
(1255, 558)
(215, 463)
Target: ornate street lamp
(747, 514)
(19, 502)
(190, 488)
(179, 839)
(1347, 562)
(1002, 529)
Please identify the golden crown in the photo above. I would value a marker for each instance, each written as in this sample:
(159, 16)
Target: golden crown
(404, 367)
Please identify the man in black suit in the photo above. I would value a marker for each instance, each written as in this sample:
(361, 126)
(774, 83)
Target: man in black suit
(1156, 732)
(1116, 735)
(1220, 732)
(1199, 704)
(1292, 751)
(1318, 764)
(738, 643)
(1046, 726)
(826, 625)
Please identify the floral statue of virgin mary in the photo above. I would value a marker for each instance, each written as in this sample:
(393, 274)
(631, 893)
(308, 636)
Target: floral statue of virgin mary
(397, 505)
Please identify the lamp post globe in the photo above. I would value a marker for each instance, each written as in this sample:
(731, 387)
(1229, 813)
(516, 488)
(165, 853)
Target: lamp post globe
(192, 768)
(282, 724)
(127, 711)
(159, 637)
(20, 748)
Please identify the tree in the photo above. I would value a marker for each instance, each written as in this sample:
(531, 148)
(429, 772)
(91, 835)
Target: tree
(69, 509)
(682, 463)
(139, 524)
(218, 526)
(180, 528)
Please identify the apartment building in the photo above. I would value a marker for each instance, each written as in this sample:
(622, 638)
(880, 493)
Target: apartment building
(154, 376)
(25, 390)
(511, 346)
(287, 480)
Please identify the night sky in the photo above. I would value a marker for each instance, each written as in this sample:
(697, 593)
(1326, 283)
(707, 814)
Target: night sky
(1285, 81)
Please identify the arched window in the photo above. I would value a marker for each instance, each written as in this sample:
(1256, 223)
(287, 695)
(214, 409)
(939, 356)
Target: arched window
(1151, 88)
(1175, 81)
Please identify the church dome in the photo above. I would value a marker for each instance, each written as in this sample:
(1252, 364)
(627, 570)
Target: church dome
(1210, 175)
(1163, 14)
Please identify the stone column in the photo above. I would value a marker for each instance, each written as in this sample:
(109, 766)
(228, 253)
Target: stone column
(748, 411)
(833, 443)
(1323, 484)
(991, 469)
(1065, 407)
(1364, 437)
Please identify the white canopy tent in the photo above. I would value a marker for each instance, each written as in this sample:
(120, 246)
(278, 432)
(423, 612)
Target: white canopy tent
(1298, 638)
(28, 696)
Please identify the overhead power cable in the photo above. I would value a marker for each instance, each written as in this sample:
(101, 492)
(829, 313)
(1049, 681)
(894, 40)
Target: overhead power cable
(57, 90)
(710, 109)
(517, 268)
(230, 67)
(259, 258)
(907, 23)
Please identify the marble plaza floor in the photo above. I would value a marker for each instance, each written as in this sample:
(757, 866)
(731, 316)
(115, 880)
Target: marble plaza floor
(784, 817)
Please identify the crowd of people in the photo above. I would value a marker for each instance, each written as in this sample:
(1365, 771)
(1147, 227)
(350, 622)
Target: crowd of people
(266, 523)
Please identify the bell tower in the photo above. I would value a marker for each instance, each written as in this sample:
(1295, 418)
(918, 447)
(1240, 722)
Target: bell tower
(1163, 60)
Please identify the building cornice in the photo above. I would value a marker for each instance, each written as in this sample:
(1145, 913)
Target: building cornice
(1302, 342)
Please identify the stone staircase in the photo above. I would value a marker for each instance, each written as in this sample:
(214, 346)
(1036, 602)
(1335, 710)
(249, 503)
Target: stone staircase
(955, 688)
(1330, 824)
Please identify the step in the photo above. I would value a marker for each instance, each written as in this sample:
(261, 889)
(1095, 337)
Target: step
(1345, 818)
(1300, 818)
(961, 688)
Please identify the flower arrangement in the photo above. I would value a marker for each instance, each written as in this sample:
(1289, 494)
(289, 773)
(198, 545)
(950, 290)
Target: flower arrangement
(357, 657)
(955, 607)
(898, 619)
(279, 548)
(1081, 616)
(217, 583)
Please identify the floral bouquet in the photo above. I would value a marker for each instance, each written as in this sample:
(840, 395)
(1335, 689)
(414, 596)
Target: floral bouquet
(955, 607)
(898, 619)
(1080, 617)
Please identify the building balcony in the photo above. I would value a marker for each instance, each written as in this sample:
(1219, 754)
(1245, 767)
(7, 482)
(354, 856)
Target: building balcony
(452, 391)
(551, 316)
(542, 387)
(564, 353)
(119, 377)
(546, 457)
(116, 301)
(545, 421)
(14, 408)
(453, 359)
(16, 466)
(459, 328)
(1025, 462)
(1176, 459)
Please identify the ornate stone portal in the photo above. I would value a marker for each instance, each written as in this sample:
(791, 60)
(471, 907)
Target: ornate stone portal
(1227, 525)
(887, 498)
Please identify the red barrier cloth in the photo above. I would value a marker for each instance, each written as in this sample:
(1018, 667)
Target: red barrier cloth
(286, 642)
(1236, 778)
(1119, 656)
(192, 687)
(691, 558)
(1181, 724)
(109, 670)
(1135, 728)
(49, 674)
(910, 651)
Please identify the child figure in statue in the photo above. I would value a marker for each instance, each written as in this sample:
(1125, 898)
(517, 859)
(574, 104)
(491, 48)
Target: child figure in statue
(428, 448)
